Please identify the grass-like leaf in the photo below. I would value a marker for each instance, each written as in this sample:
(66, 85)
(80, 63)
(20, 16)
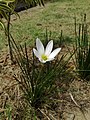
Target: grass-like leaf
(82, 55)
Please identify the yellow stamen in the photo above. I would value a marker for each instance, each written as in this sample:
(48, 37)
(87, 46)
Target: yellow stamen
(44, 57)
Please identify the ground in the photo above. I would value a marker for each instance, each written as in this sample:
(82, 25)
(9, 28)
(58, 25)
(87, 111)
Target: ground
(73, 103)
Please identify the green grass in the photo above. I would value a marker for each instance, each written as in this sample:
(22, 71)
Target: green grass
(56, 16)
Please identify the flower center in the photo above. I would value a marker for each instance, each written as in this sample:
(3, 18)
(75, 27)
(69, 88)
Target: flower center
(44, 57)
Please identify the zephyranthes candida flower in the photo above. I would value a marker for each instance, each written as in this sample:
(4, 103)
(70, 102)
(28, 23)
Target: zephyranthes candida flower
(43, 54)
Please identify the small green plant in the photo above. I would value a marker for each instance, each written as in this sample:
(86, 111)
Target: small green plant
(4, 9)
(6, 113)
(37, 77)
(82, 46)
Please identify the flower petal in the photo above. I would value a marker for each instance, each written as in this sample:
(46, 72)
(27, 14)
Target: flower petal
(54, 53)
(49, 48)
(42, 61)
(50, 59)
(36, 53)
(39, 46)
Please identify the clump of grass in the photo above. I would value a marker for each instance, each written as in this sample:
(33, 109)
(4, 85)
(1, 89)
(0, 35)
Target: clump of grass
(6, 113)
(36, 80)
(82, 46)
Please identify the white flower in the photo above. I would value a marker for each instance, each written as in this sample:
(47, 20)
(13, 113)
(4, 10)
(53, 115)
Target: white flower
(45, 55)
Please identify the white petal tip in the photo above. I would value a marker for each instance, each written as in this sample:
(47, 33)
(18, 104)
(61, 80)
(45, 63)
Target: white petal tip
(54, 53)
(59, 49)
(37, 38)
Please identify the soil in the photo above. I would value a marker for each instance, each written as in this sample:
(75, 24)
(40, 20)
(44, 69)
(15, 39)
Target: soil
(73, 103)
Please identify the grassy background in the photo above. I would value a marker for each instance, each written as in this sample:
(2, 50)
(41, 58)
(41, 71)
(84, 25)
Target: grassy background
(56, 16)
